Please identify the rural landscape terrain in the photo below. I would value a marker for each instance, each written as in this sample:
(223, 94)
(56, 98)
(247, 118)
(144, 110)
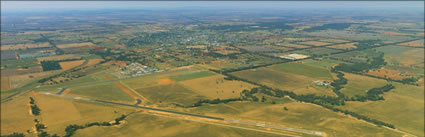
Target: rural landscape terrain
(212, 72)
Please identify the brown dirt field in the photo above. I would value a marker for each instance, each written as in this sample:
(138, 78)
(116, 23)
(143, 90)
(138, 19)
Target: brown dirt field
(165, 81)
(344, 46)
(5, 84)
(386, 73)
(417, 43)
(72, 45)
(14, 72)
(392, 33)
(295, 45)
(23, 46)
(314, 43)
(59, 57)
(70, 64)
(107, 77)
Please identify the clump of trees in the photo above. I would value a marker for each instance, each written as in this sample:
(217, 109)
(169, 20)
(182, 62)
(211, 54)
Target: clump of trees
(50, 65)
(14, 134)
(34, 108)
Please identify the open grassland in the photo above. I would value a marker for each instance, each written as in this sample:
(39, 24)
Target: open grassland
(93, 61)
(215, 86)
(298, 115)
(402, 107)
(73, 45)
(106, 91)
(257, 49)
(341, 34)
(24, 46)
(70, 64)
(344, 46)
(314, 43)
(15, 115)
(21, 80)
(359, 85)
(191, 75)
(289, 77)
(417, 43)
(170, 94)
(58, 113)
(141, 124)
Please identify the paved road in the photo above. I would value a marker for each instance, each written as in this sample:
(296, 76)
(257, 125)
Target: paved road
(318, 133)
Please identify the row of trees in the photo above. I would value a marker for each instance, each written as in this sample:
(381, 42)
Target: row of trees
(71, 129)
(34, 108)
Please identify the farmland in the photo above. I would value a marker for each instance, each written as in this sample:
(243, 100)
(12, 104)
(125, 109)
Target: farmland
(209, 71)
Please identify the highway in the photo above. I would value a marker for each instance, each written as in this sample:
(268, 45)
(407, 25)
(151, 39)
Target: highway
(317, 133)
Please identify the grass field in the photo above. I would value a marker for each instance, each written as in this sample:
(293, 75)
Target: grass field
(59, 57)
(298, 115)
(24, 46)
(215, 86)
(191, 75)
(15, 116)
(21, 63)
(170, 94)
(105, 91)
(5, 84)
(141, 124)
(359, 85)
(75, 45)
(323, 63)
(317, 51)
(417, 43)
(403, 107)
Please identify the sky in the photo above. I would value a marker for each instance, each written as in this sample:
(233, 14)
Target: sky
(48, 5)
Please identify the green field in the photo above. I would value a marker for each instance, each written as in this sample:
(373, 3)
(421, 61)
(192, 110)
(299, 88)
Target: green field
(191, 75)
(106, 91)
(402, 107)
(303, 69)
(170, 94)
(317, 51)
(21, 63)
(359, 85)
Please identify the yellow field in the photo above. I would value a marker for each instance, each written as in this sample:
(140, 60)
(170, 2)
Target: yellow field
(21, 80)
(15, 116)
(24, 46)
(298, 115)
(75, 45)
(93, 61)
(344, 46)
(70, 64)
(5, 84)
(314, 43)
(387, 73)
(216, 87)
(58, 57)
(417, 43)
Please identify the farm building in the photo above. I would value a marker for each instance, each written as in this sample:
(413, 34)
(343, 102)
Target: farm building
(321, 83)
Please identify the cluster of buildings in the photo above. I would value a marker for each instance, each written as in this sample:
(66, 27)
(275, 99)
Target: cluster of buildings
(134, 69)
(322, 83)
